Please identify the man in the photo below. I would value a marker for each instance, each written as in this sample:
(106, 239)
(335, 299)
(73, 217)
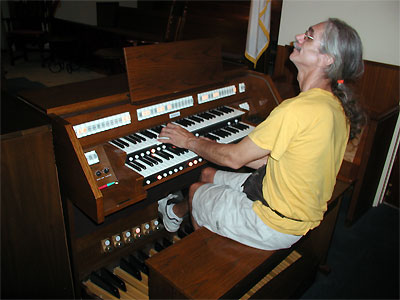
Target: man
(297, 150)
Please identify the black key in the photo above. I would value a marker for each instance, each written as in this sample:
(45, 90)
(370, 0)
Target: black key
(206, 115)
(163, 155)
(138, 136)
(166, 242)
(133, 137)
(220, 133)
(149, 134)
(181, 233)
(227, 133)
(177, 149)
(196, 119)
(157, 129)
(240, 126)
(166, 153)
(96, 279)
(141, 255)
(134, 166)
(116, 143)
(181, 122)
(188, 228)
(231, 129)
(183, 150)
(139, 164)
(211, 137)
(122, 142)
(216, 133)
(225, 109)
(216, 112)
(130, 268)
(174, 149)
(113, 279)
(147, 162)
(156, 158)
(129, 139)
(134, 261)
(158, 247)
(150, 158)
(189, 121)
(185, 122)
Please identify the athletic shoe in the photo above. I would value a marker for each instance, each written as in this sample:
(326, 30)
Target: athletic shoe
(171, 223)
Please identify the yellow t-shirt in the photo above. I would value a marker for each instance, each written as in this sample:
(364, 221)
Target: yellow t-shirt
(307, 136)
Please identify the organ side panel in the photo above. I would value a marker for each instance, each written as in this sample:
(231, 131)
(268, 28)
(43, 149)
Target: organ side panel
(35, 262)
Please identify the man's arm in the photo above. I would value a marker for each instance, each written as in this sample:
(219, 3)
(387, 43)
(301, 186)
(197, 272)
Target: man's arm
(258, 163)
(246, 152)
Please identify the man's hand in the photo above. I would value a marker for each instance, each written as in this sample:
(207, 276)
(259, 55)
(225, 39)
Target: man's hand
(229, 155)
(176, 135)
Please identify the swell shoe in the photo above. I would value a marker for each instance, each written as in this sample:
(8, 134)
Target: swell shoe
(170, 220)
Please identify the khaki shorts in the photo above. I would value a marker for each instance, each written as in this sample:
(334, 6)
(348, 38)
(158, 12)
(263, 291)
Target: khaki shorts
(223, 208)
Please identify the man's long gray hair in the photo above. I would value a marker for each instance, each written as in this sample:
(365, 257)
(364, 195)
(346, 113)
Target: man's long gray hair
(343, 43)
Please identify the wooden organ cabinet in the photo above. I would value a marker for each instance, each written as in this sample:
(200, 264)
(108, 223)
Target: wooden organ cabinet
(113, 171)
(34, 253)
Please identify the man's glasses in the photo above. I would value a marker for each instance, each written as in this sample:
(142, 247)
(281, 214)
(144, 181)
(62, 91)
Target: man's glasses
(307, 36)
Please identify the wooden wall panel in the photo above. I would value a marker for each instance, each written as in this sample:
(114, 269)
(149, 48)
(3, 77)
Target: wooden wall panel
(379, 88)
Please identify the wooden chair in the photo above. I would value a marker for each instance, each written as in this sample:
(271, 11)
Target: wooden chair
(26, 28)
(150, 23)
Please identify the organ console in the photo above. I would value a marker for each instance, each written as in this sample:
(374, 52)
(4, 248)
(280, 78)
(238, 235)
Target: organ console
(113, 171)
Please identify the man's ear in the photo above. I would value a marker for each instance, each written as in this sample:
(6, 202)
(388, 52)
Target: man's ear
(328, 59)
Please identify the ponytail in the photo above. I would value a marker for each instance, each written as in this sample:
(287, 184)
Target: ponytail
(343, 43)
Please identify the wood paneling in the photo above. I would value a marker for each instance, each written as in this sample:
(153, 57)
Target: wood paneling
(379, 88)
(372, 161)
(225, 20)
(34, 254)
(160, 70)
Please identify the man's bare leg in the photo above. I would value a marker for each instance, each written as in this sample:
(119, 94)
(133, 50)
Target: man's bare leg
(207, 175)
(182, 208)
(193, 188)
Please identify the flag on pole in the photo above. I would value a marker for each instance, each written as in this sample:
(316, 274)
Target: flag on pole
(258, 29)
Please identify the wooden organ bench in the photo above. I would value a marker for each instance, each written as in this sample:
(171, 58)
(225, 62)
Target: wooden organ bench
(213, 267)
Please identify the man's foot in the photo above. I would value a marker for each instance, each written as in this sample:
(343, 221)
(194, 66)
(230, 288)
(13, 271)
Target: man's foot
(170, 220)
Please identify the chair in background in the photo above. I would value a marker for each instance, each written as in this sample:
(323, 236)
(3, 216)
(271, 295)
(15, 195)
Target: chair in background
(152, 22)
(26, 29)
(64, 48)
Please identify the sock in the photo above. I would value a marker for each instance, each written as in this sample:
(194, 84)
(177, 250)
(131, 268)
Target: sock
(171, 213)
